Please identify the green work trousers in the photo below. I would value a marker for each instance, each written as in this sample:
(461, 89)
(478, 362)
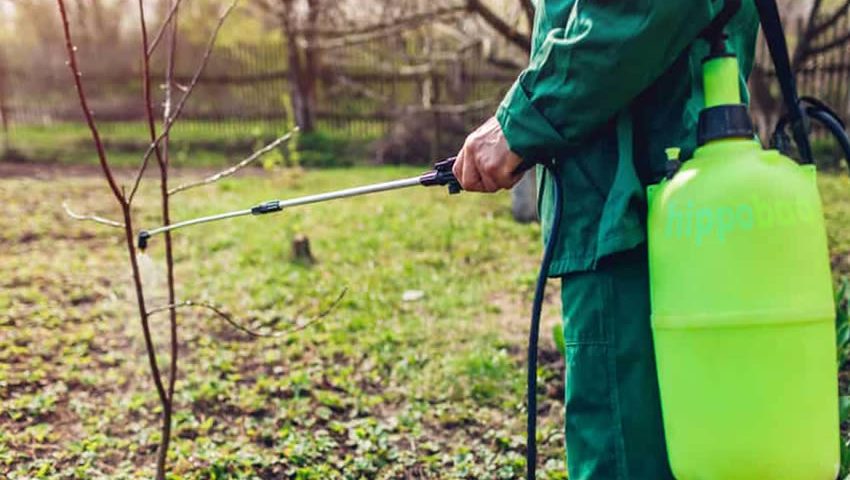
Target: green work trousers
(613, 414)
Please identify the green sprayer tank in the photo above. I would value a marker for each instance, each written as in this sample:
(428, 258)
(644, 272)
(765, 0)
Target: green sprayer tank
(742, 305)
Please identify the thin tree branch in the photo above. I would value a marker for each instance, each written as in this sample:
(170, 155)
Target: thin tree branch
(162, 161)
(510, 33)
(200, 70)
(4, 110)
(227, 317)
(146, 90)
(801, 52)
(819, 49)
(121, 197)
(456, 109)
(504, 63)
(81, 94)
(156, 39)
(528, 8)
(218, 311)
(448, 109)
(91, 218)
(182, 102)
(821, 27)
(406, 22)
(361, 89)
(166, 208)
(334, 39)
(169, 71)
(235, 168)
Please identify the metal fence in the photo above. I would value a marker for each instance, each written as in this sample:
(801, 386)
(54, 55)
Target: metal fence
(822, 72)
(827, 75)
(363, 91)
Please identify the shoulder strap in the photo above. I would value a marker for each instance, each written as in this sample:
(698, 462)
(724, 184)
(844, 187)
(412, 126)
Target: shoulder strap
(771, 25)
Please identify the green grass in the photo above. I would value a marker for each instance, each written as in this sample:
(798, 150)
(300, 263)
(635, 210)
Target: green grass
(835, 191)
(379, 388)
(194, 143)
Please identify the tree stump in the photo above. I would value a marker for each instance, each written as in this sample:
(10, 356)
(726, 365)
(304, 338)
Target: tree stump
(301, 251)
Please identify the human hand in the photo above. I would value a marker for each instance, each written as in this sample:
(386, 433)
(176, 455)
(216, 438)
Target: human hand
(486, 163)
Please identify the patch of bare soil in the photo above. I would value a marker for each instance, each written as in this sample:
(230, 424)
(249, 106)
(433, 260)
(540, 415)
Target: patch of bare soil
(514, 320)
(515, 313)
(840, 263)
(45, 171)
(51, 171)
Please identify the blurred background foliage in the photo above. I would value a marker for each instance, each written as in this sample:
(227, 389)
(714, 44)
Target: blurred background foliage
(392, 81)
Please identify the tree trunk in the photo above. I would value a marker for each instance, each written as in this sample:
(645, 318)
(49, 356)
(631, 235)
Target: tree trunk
(4, 110)
(524, 198)
(301, 104)
(766, 106)
(805, 21)
(311, 63)
(303, 64)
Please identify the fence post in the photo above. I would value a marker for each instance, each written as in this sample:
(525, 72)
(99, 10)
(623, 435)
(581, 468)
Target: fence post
(437, 148)
(844, 72)
(4, 109)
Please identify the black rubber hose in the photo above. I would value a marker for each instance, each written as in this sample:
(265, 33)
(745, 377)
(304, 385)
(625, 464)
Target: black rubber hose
(774, 34)
(830, 121)
(534, 331)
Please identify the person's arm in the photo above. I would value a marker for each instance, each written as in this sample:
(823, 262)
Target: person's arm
(587, 69)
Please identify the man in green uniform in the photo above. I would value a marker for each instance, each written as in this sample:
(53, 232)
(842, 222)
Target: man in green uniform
(610, 85)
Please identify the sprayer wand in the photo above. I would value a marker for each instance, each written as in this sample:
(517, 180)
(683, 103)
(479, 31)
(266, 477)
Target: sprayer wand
(441, 175)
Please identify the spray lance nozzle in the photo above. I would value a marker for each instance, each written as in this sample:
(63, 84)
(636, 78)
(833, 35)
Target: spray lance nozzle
(144, 236)
(440, 175)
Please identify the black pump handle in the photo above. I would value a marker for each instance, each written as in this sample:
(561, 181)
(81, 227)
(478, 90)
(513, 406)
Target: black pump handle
(442, 174)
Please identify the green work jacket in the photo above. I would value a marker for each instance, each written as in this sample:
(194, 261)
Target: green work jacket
(610, 85)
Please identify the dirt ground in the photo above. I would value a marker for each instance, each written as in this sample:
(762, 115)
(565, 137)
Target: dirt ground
(383, 388)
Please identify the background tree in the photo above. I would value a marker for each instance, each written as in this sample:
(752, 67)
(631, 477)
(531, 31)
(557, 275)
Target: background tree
(125, 194)
(816, 29)
(4, 112)
(299, 22)
(516, 31)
